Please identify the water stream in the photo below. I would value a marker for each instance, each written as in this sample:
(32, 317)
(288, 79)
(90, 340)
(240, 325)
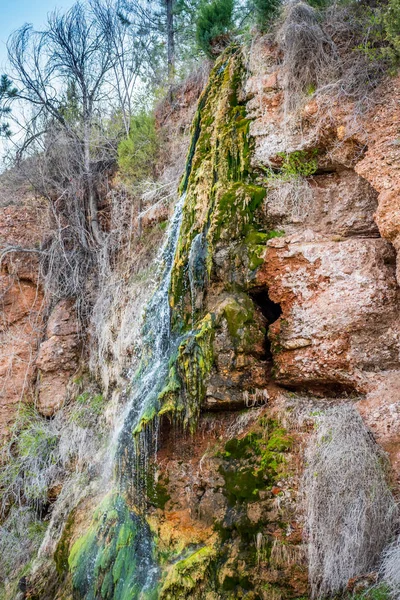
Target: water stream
(133, 452)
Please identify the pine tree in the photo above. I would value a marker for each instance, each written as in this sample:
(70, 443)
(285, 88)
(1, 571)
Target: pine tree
(265, 12)
(7, 92)
(213, 27)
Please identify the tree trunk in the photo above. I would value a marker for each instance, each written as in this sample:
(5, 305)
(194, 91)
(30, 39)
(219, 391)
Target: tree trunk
(170, 40)
(94, 226)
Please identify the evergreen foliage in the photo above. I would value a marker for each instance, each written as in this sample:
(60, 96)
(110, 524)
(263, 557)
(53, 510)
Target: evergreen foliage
(136, 153)
(213, 27)
(7, 92)
(391, 21)
(265, 12)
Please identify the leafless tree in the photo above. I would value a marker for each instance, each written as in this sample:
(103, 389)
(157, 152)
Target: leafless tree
(77, 79)
(73, 48)
(130, 50)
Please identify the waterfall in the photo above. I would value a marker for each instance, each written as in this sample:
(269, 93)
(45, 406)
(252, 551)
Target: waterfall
(136, 448)
(118, 549)
(197, 271)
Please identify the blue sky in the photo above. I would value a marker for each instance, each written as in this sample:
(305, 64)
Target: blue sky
(14, 13)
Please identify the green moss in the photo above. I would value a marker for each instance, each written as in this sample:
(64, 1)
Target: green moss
(254, 462)
(157, 492)
(222, 197)
(146, 418)
(232, 583)
(62, 551)
(251, 466)
(187, 579)
(239, 313)
(186, 385)
(104, 561)
(255, 243)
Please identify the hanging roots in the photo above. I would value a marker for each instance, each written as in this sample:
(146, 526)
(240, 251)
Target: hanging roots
(349, 509)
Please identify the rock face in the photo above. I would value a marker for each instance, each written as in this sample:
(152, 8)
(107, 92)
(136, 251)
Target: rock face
(381, 163)
(34, 343)
(22, 305)
(57, 358)
(284, 314)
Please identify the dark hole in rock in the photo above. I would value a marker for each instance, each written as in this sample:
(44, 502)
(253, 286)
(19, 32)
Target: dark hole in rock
(271, 312)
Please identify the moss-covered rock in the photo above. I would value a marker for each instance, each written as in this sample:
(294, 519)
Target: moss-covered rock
(221, 193)
(186, 384)
(189, 578)
(113, 559)
(253, 468)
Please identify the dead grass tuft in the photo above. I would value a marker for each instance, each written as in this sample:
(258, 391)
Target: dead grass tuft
(310, 57)
(349, 509)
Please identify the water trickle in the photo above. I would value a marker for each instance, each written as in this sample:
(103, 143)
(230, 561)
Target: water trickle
(138, 434)
(197, 272)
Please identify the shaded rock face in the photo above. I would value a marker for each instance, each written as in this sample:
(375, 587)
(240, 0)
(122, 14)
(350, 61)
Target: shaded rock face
(58, 357)
(22, 305)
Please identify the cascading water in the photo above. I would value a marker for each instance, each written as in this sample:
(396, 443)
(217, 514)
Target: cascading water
(117, 552)
(197, 271)
(134, 446)
(116, 559)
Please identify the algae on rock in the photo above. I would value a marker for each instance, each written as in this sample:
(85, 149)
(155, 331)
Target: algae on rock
(219, 211)
(114, 559)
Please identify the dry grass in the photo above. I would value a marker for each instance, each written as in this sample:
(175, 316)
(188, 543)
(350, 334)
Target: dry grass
(20, 537)
(349, 509)
(310, 56)
(41, 452)
(390, 568)
(331, 56)
(126, 269)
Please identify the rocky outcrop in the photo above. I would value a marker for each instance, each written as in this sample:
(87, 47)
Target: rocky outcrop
(22, 304)
(284, 305)
(58, 357)
(381, 163)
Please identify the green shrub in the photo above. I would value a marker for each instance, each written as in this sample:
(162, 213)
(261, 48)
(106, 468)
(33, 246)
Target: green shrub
(391, 22)
(265, 11)
(299, 163)
(213, 26)
(137, 152)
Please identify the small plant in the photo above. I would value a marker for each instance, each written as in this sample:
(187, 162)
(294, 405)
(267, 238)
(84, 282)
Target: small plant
(213, 27)
(301, 163)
